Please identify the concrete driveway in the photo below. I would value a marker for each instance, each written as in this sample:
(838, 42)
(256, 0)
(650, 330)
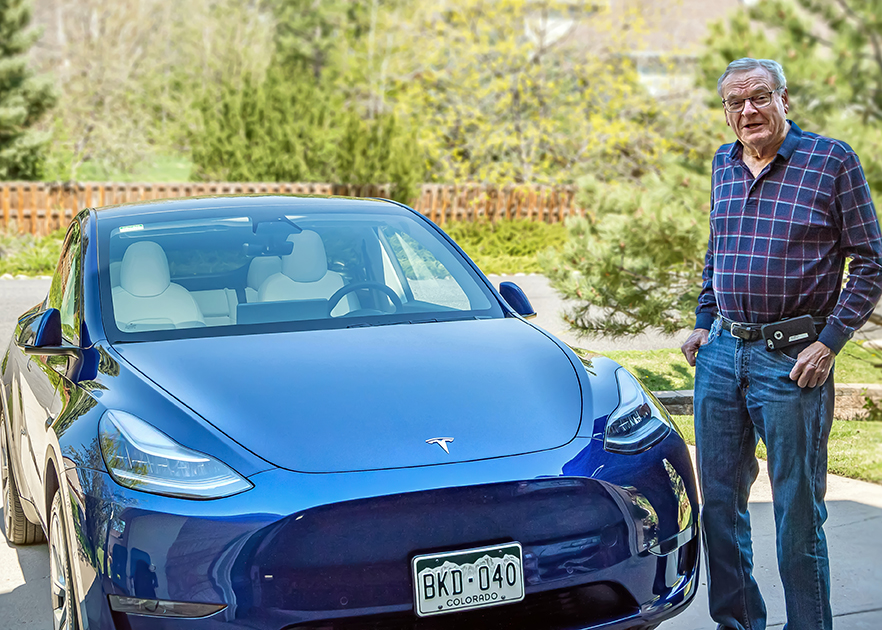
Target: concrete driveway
(853, 527)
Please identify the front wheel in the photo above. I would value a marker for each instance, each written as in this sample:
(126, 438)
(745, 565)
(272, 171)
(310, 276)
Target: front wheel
(19, 530)
(61, 578)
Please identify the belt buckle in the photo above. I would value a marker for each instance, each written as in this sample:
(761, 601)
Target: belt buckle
(740, 331)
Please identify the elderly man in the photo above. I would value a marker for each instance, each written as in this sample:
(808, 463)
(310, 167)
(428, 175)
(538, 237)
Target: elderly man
(788, 209)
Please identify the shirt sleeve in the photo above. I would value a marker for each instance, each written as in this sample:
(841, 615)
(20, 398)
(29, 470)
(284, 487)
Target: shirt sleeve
(707, 301)
(861, 242)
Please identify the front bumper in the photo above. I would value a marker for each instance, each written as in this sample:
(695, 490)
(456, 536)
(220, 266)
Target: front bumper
(610, 547)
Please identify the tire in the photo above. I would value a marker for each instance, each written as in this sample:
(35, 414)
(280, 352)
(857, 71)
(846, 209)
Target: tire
(19, 530)
(61, 585)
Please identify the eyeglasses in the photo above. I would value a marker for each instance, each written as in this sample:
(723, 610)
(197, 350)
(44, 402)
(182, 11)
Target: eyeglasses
(733, 106)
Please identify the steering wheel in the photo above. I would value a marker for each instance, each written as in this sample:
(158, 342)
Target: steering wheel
(377, 286)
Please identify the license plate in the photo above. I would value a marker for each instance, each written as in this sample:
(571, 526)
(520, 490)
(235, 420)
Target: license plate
(464, 580)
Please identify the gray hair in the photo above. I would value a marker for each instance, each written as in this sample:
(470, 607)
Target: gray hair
(746, 64)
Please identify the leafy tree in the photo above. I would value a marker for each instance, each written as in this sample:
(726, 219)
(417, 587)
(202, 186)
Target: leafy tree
(635, 260)
(24, 98)
(529, 91)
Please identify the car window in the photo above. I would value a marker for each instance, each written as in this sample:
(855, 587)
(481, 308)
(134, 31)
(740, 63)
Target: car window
(213, 273)
(64, 292)
(428, 278)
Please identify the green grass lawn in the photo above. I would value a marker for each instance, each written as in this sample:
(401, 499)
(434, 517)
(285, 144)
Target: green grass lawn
(667, 369)
(855, 448)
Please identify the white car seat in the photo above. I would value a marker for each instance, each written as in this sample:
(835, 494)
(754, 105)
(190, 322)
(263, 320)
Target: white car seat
(218, 306)
(146, 299)
(305, 276)
(259, 270)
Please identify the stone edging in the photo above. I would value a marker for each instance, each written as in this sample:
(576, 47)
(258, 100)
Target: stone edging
(9, 276)
(850, 399)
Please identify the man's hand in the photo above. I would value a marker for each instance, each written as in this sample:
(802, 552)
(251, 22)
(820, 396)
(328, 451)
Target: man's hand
(697, 339)
(813, 365)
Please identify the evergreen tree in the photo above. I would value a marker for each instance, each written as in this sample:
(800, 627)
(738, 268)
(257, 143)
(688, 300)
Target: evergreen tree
(311, 34)
(634, 261)
(287, 128)
(275, 129)
(23, 97)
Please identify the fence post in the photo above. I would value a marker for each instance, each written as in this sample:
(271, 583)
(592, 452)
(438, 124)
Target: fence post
(5, 206)
(19, 194)
(433, 193)
(36, 208)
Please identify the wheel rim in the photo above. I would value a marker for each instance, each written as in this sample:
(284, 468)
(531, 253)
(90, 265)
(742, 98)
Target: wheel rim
(58, 575)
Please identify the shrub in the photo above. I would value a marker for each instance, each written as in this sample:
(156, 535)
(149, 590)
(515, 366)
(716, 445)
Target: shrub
(507, 246)
(29, 255)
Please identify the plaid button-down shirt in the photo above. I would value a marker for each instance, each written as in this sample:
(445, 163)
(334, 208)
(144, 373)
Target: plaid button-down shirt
(778, 243)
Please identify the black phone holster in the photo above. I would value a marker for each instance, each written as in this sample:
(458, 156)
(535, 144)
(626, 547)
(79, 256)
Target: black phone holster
(788, 332)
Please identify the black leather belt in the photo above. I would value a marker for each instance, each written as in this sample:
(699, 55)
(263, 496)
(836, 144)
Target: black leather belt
(753, 332)
(747, 332)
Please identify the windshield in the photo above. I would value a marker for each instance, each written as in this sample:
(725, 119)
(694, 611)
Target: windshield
(236, 271)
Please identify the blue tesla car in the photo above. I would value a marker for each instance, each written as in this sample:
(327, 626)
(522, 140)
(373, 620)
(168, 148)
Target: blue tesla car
(275, 413)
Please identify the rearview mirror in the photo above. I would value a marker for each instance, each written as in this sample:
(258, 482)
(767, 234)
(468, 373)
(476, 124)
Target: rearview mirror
(517, 299)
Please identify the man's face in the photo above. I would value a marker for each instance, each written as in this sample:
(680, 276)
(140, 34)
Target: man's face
(758, 129)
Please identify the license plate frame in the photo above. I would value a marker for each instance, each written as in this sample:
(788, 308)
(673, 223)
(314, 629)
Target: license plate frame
(436, 592)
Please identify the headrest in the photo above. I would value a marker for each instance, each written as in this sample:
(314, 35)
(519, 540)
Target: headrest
(114, 273)
(262, 268)
(144, 270)
(308, 262)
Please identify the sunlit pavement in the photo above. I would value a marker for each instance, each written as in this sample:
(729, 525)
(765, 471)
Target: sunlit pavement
(24, 587)
(853, 526)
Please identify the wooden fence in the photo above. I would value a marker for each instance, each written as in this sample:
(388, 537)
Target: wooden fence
(40, 208)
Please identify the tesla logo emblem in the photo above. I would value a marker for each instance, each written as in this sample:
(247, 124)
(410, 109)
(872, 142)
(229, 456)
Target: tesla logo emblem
(442, 442)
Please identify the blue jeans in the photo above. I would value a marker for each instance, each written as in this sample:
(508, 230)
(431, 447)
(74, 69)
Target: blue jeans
(744, 393)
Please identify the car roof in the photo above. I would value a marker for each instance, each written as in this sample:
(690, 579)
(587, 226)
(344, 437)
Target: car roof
(312, 203)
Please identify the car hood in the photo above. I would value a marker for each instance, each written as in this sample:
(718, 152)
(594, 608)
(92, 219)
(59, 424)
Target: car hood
(370, 398)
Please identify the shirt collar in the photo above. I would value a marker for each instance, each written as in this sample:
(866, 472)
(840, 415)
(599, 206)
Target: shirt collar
(794, 135)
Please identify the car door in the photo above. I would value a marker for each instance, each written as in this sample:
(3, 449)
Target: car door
(43, 379)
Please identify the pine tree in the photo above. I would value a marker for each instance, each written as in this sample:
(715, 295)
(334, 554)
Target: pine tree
(275, 129)
(24, 98)
(634, 262)
(312, 35)
(289, 128)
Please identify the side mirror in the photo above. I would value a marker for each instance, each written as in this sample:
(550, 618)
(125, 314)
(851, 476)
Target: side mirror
(517, 299)
(41, 334)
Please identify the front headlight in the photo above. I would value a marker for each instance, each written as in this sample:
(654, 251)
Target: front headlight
(639, 422)
(141, 457)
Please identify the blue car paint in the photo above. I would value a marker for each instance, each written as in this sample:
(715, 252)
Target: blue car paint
(360, 399)
(259, 526)
(102, 511)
